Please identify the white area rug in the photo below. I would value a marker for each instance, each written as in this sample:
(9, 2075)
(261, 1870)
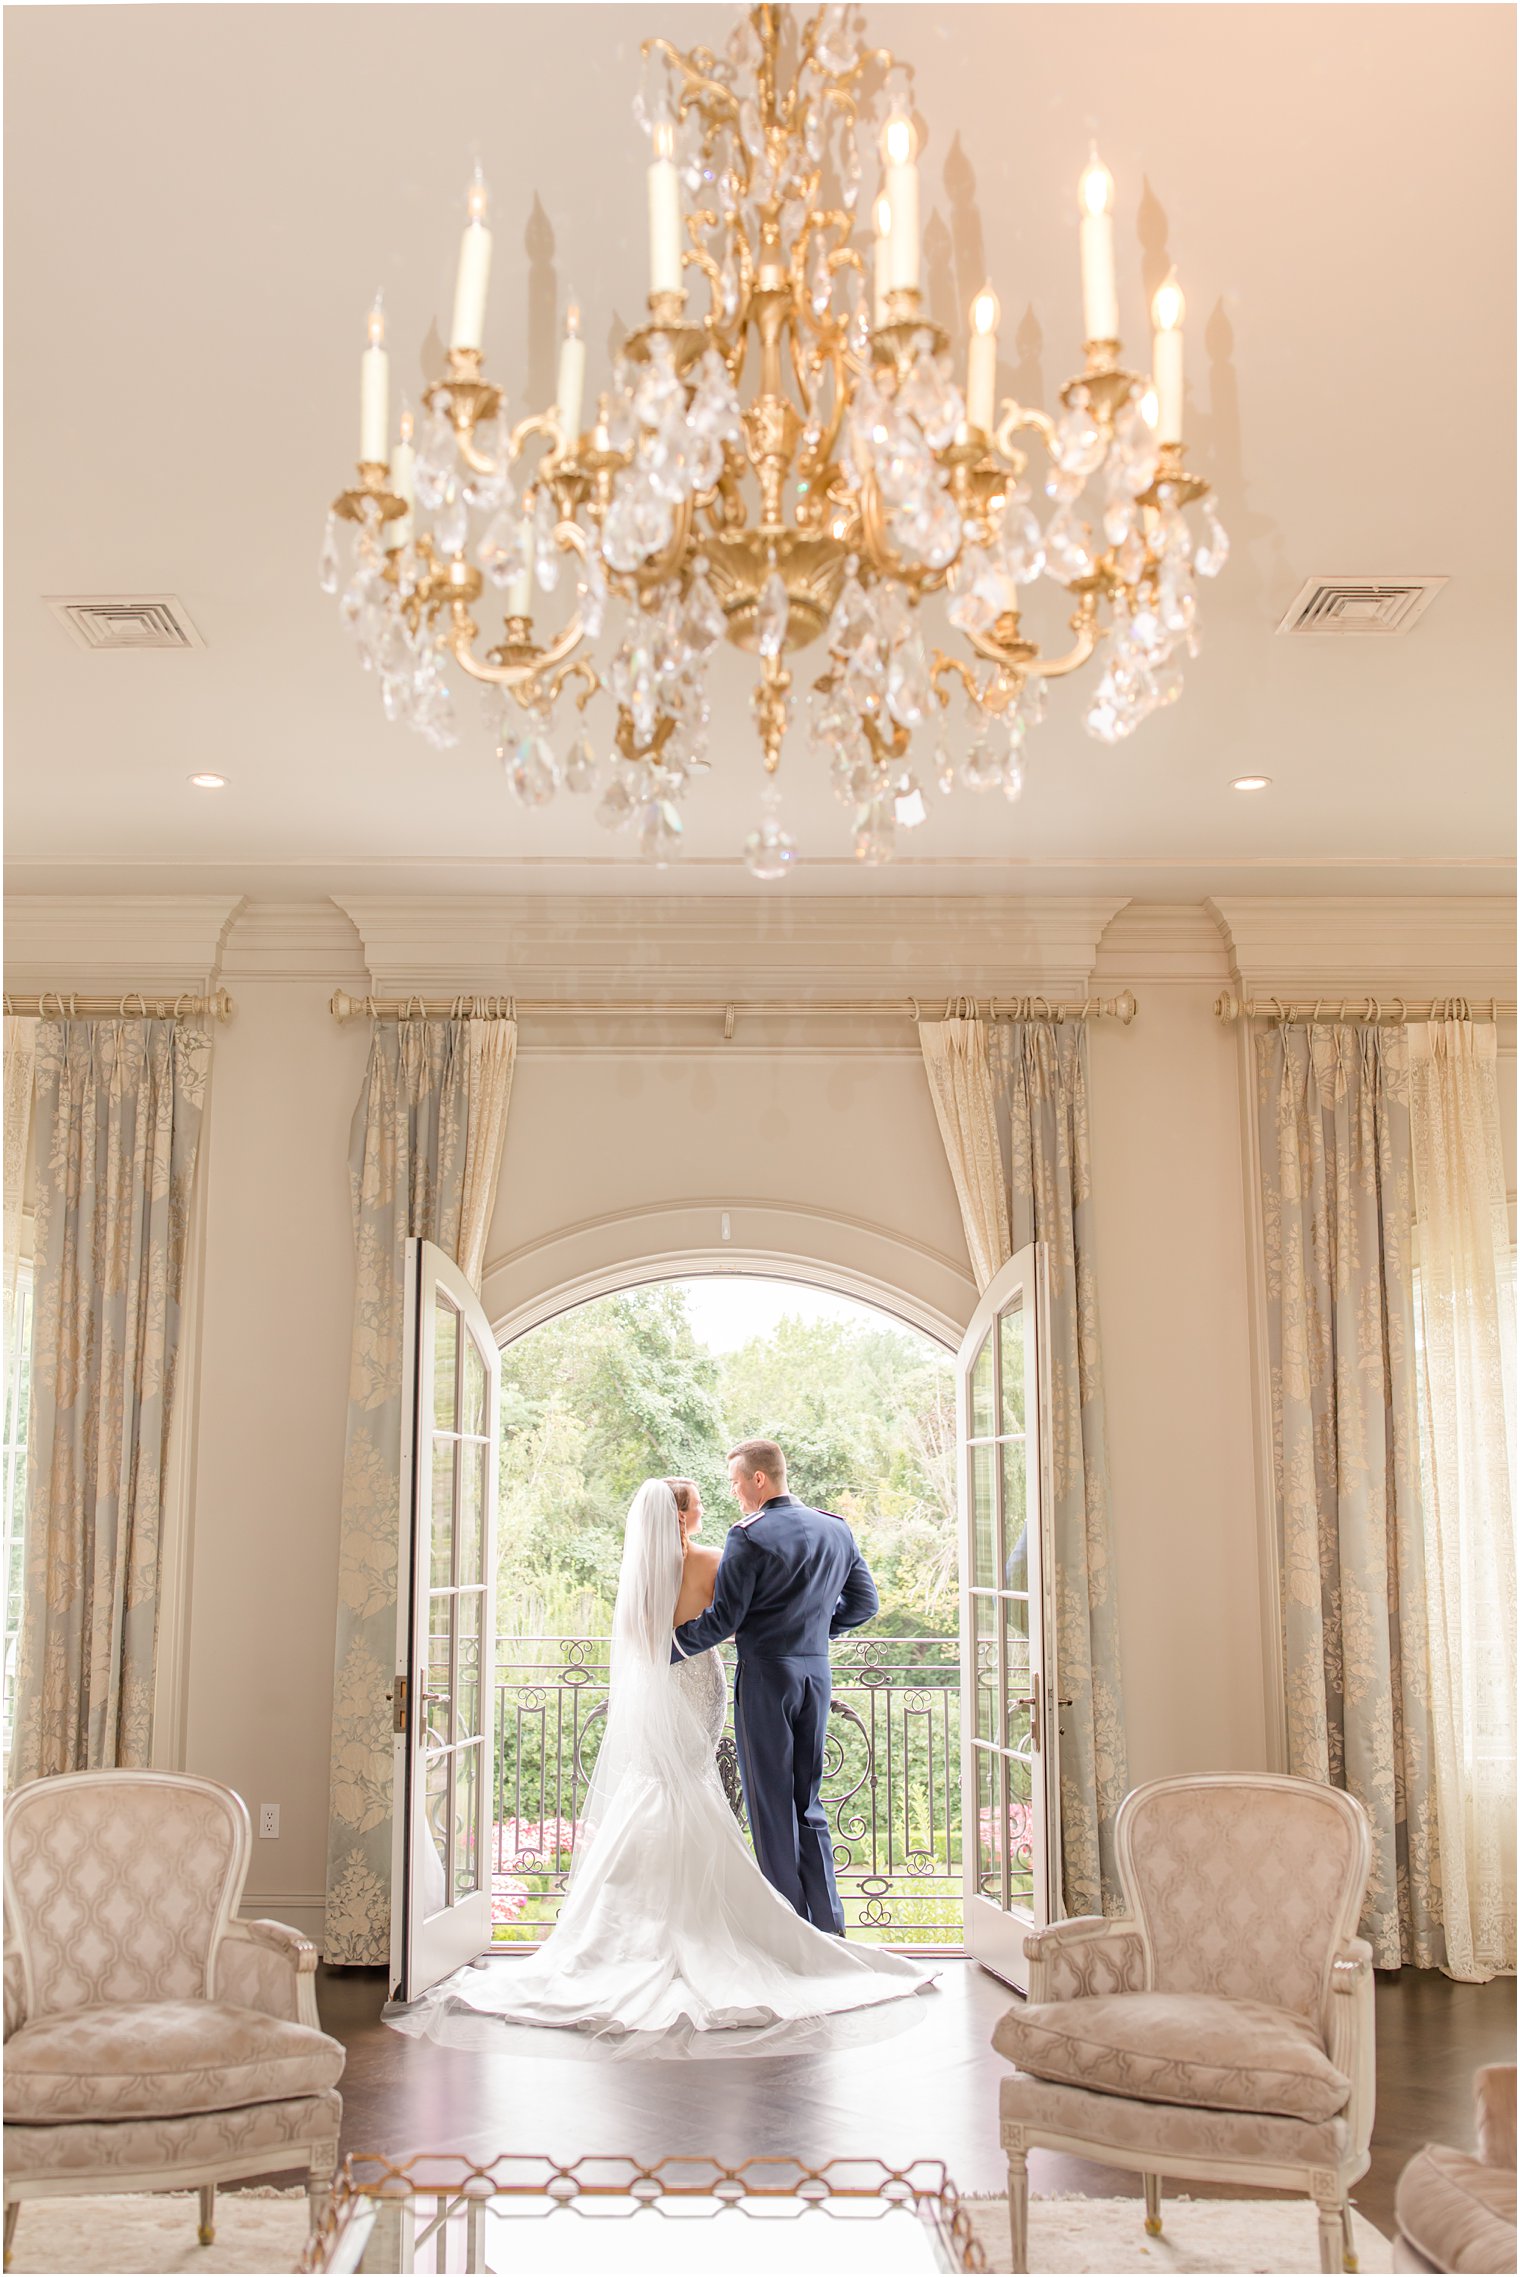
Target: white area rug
(262, 2235)
(258, 2234)
(1271, 2235)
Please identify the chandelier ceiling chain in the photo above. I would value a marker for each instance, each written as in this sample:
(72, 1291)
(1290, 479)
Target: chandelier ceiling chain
(794, 464)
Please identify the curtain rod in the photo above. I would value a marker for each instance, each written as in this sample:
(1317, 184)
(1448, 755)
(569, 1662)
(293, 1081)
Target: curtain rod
(345, 1007)
(1363, 1008)
(136, 1004)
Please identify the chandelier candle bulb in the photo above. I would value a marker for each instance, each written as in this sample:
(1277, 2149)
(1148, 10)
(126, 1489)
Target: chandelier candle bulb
(898, 145)
(981, 363)
(664, 213)
(374, 392)
(572, 375)
(1100, 293)
(469, 326)
(883, 269)
(1167, 310)
(404, 486)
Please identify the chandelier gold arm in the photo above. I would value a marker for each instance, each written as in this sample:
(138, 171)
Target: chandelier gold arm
(1018, 418)
(1084, 623)
(463, 632)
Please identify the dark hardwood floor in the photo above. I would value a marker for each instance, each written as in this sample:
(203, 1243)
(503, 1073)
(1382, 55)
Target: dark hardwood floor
(929, 2091)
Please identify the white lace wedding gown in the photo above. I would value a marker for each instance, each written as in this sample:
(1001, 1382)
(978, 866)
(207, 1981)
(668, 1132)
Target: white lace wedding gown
(668, 1924)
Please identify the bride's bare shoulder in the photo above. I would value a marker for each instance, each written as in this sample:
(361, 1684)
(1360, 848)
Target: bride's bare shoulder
(699, 1573)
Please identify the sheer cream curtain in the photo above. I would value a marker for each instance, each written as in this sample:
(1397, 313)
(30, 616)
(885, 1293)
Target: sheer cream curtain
(1013, 1115)
(1465, 1326)
(118, 1119)
(20, 1054)
(424, 1160)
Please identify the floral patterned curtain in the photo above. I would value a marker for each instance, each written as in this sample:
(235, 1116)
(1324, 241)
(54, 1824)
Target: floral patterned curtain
(119, 1105)
(1337, 1201)
(20, 1054)
(1464, 1317)
(424, 1161)
(1013, 1114)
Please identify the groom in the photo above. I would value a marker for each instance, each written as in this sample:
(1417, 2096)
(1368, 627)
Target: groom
(789, 1579)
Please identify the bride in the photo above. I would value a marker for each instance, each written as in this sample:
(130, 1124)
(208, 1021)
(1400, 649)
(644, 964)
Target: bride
(668, 1925)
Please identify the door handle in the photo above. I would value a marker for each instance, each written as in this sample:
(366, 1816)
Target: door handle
(1031, 1701)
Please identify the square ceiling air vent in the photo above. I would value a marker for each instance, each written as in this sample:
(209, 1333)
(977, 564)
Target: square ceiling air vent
(1354, 608)
(126, 620)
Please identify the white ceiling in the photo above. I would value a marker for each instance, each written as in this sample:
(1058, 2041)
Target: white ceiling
(202, 200)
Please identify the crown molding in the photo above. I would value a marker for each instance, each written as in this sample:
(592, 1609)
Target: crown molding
(294, 940)
(1411, 945)
(1161, 942)
(101, 944)
(697, 947)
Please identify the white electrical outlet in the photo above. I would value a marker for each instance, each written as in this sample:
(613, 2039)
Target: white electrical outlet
(269, 1821)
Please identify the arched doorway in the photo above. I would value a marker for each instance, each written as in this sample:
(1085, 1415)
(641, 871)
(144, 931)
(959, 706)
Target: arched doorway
(625, 1375)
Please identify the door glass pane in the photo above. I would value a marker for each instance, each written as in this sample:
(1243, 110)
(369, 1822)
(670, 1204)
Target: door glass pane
(989, 1879)
(1015, 1515)
(432, 1872)
(472, 1507)
(445, 1455)
(445, 1362)
(1015, 1616)
(469, 1608)
(1020, 1776)
(984, 1517)
(982, 1425)
(466, 1818)
(984, 1659)
(1011, 1368)
(474, 1417)
(437, 1674)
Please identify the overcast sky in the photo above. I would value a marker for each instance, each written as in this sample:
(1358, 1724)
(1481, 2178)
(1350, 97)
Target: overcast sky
(727, 1309)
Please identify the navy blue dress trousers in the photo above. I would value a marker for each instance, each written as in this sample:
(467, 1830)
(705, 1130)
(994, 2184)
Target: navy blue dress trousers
(789, 1579)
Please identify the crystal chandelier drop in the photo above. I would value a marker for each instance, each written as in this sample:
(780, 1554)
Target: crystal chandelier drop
(796, 465)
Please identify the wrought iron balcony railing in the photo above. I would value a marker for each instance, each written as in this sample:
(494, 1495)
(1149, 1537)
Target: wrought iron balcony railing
(891, 1780)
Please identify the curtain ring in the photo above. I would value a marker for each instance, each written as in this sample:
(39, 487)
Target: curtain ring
(1044, 1012)
(913, 1009)
(512, 1010)
(1403, 1011)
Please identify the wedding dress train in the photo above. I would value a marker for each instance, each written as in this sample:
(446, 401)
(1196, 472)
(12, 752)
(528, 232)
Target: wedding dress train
(668, 1927)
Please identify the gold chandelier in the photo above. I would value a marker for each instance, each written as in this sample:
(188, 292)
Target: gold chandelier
(794, 464)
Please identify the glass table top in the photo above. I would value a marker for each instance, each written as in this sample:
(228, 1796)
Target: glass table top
(442, 2212)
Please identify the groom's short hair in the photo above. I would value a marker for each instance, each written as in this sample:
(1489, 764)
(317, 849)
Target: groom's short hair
(761, 1455)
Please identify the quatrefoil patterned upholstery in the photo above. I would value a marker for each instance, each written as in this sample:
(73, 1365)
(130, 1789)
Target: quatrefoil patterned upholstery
(121, 1887)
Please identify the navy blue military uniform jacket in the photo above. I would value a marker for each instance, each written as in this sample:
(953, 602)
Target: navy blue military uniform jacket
(789, 1579)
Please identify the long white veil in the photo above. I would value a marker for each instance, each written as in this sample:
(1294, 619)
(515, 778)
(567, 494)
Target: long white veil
(651, 1731)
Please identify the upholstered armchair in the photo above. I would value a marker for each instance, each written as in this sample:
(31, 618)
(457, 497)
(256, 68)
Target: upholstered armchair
(1221, 2031)
(152, 2041)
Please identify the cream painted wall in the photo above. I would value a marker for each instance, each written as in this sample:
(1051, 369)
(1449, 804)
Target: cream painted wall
(275, 1326)
(1172, 1296)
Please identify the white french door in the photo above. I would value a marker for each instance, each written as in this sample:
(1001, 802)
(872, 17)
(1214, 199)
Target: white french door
(1010, 1779)
(445, 1631)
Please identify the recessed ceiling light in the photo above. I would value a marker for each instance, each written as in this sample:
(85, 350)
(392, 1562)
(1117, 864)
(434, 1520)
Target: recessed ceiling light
(209, 782)
(1250, 782)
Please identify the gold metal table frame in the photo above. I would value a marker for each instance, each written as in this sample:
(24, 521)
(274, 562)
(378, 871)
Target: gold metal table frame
(464, 2191)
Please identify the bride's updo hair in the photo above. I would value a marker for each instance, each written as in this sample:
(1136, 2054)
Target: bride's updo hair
(683, 1489)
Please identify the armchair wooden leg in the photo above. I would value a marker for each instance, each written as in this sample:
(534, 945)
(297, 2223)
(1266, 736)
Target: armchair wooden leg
(1348, 2240)
(1152, 2205)
(207, 2230)
(1331, 2239)
(324, 2164)
(1018, 2210)
(12, 2214)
